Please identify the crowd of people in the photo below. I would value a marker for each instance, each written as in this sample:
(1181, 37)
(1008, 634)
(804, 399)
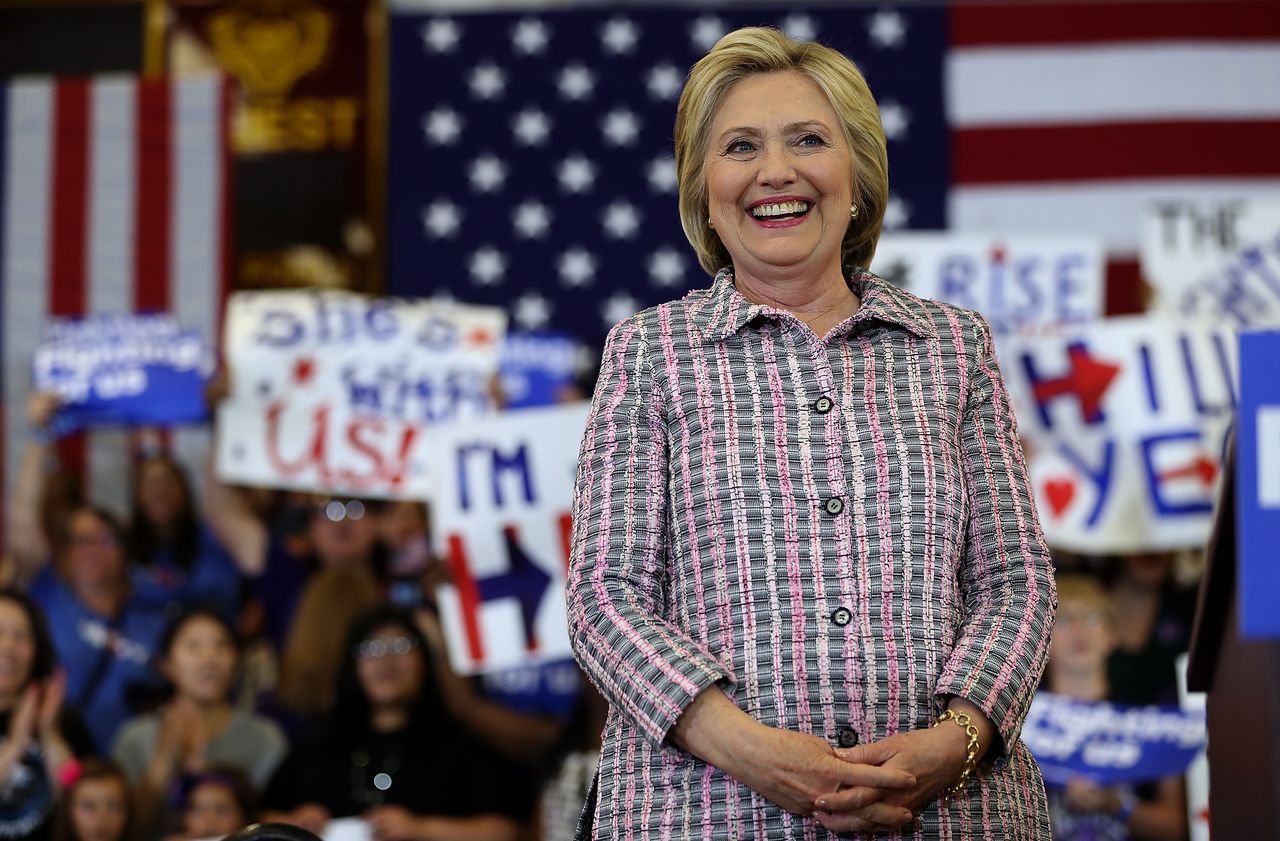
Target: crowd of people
(225, 655)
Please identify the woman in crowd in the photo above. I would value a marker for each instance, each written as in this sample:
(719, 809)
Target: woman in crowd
(179, 561)
(105, 637)
(197, 728)
(40, 739)
(806, 570)
(1152, 628)
(95, 804)
(213, 804)
(1083, 637)
(393, 755)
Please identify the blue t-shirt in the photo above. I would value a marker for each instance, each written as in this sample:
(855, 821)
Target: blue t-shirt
(213, 579)
(549, 688)
(84, 638)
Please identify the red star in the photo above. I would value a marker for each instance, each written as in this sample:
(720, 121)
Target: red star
(303, 369)
(997, 254)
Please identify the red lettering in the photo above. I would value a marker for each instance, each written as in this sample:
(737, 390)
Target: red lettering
(365, 448)
(316, 454)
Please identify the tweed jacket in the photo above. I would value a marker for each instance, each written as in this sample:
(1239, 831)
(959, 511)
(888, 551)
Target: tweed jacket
(839, 531)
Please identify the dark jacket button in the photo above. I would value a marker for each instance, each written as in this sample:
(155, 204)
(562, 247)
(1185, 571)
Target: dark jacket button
(835, 505)
(847, 737)
(822, 405)
(842, 616)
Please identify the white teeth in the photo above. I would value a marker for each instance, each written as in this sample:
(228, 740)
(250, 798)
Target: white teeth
(782, 208)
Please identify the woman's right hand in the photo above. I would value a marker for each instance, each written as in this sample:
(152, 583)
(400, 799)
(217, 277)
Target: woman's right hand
(41, 407)
(794, 769)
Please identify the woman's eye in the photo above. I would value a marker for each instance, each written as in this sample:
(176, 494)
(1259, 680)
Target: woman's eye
(739, 147)
(812, 140)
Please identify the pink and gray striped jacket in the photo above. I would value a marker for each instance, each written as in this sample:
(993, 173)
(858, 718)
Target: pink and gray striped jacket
(839, 531)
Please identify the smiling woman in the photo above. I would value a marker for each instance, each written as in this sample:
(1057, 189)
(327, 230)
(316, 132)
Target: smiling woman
(806, 571)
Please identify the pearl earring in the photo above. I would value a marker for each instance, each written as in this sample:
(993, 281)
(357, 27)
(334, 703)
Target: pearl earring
(853, 211)
(710, 224)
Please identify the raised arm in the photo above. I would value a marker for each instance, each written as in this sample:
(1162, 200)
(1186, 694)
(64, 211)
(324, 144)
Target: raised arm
(28, 543)
(1006, 574)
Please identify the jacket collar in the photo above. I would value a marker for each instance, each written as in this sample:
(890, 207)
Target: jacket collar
(723, 311)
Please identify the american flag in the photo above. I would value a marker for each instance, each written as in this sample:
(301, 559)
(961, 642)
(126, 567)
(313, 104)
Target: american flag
(114, 198)
(531, 162)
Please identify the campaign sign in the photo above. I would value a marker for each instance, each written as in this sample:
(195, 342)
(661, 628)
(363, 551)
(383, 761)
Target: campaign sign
(537, 368)
(1213, 257)
(1016, 282)
(1108, 743)
(1258, 484)
(331, 391)
(1124, 422)
(123, 370)
(500, 506)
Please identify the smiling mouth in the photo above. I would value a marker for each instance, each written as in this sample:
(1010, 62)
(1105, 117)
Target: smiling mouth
(778, 211)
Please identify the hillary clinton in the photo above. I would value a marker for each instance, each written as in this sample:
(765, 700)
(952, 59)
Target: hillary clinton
(806, 569)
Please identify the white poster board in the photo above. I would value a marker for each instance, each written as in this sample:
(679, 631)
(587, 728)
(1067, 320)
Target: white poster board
(1214, 258)
(331, 391)
(501, 516)
(1018, 282)
(1124, 422)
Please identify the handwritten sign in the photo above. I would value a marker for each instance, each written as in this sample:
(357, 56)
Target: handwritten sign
(331, 391)
(1110, 744)
(1016, 282)
(1124, 422)
(501, 507)
(122, 370)
(1214, 258)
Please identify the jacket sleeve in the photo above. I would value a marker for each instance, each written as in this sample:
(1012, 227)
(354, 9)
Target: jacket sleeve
(644, 664)
(1006, 574)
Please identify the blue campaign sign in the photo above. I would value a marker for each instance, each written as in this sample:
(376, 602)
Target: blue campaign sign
(536, 368)
(1108, 743)
(1258, 484)
(123, 370)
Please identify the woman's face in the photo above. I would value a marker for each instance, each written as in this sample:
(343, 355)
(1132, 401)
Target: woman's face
(779, 177)
(94, 556)
(99, 809)
(390, 667)
(1082, 636)
(343, 533)
(201, 662)
(161, 496)
(17, 649)
(212, 812)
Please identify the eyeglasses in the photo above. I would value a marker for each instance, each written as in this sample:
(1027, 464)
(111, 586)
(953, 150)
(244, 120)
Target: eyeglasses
(375, 648)
(92, 541)
(335, 510)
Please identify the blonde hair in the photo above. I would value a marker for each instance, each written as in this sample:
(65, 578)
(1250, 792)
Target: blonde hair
(746, 52)
(1080, 588)
(313, 649)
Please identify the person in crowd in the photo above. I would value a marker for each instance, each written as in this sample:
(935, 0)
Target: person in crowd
(314, 649)
(213, 804)
(95, 804)
(340, 532)
(40, 740)
(393, 755)
(1084, 636)
(806, 572)
(199, 727)
(1153, 614)
(104, 636)
(178, 560)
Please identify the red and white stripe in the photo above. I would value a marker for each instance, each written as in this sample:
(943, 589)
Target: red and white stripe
(1074, 118)
(115, 201)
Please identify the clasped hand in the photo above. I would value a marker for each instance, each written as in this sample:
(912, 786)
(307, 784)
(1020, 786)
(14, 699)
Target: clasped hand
(871, 788)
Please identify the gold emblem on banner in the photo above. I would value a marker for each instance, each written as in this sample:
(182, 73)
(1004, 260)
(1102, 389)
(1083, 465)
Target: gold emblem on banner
(269, 45)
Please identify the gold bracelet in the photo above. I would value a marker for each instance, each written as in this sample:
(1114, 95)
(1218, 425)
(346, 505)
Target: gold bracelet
(971, 751)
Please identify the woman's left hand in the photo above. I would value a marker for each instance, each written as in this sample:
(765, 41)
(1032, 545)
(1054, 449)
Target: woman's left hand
(935, 756)
(392, 823)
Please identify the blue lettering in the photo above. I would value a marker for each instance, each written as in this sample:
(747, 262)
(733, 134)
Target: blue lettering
(957, 277)
(279, 328)
(1067, 286)
(1100, 478)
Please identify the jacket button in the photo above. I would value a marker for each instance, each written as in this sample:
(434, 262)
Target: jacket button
(835, 505)
(847, 737)
(822, 405)
(842, 616)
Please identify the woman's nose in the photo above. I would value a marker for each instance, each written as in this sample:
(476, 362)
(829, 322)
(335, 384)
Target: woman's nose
(775, 166)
